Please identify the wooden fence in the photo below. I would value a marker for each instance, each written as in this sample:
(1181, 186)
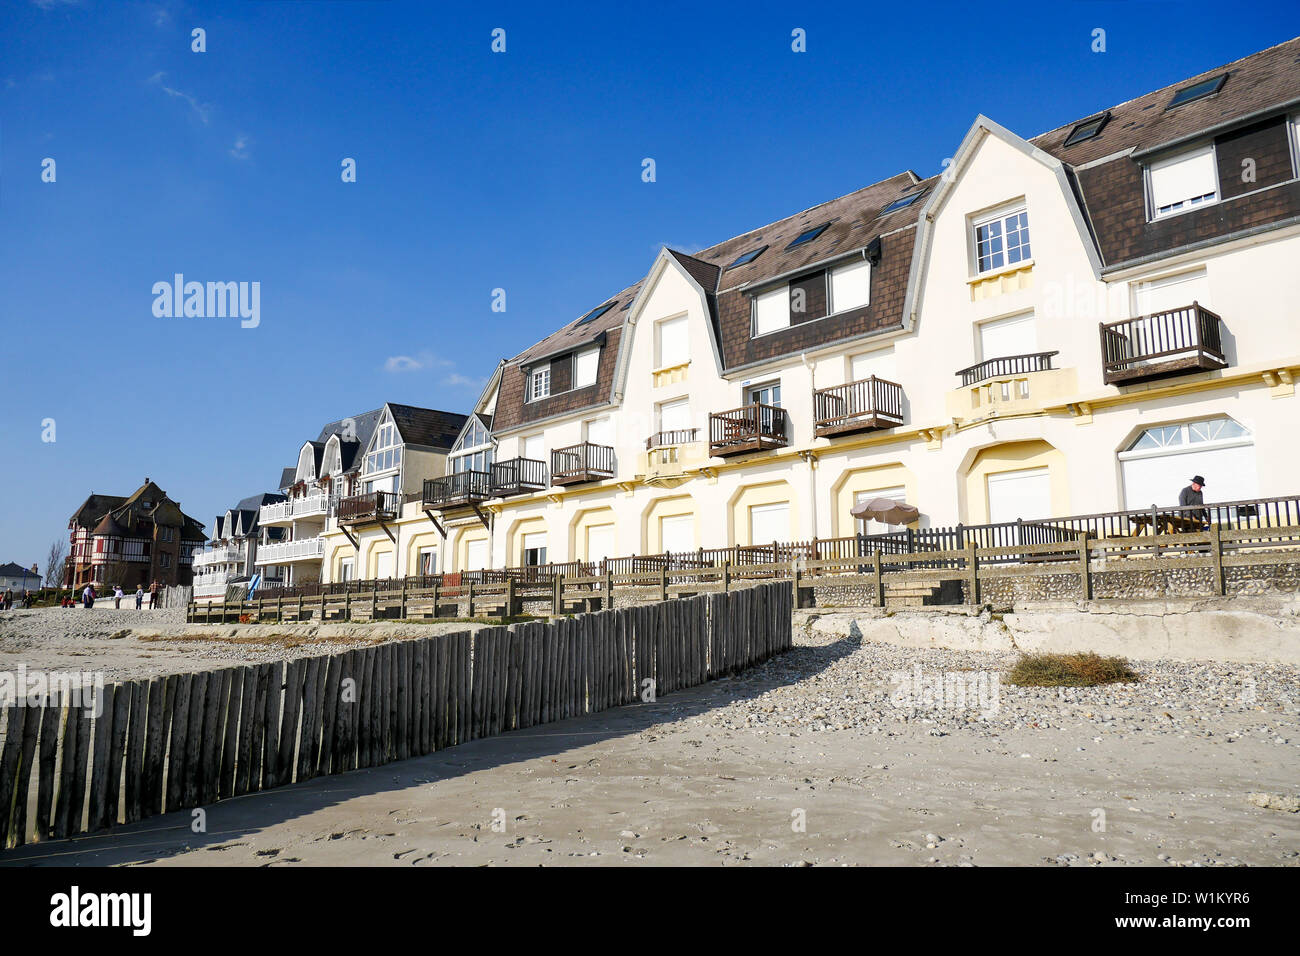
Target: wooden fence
(189, 740)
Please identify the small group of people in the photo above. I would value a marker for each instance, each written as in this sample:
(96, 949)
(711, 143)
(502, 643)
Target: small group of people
(7, 599)
(89, 595)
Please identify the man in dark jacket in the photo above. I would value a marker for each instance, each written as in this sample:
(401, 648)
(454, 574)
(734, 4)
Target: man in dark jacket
(1191, 495)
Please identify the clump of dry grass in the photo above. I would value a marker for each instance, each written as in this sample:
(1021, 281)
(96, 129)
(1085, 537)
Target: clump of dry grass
(1070, 670)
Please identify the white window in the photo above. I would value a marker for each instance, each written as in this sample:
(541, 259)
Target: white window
(428, 563)
(769, 393)
(769, 523)
(600, 431)
(879, 363)
(385, 454)
(473, 450)
(476, 555)
(533, 447)
(1001, 240)
(772, 310)
(677, 533)
(600, 542)
(384, 565)
(1181, 182)
(1026, 494)
(540, 386)
(1171, 292)
(534, 549)
(673, 342)
(871, 526)
(850, 286)
(346, 569)
(675, 416)
(585, 364)
(1161, 461)
(1006, 337)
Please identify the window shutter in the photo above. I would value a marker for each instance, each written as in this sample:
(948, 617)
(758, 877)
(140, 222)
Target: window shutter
(1013, 336)
(1183, 178)
(585, 365)
(772, 310)
(674, 345)
(851, 286)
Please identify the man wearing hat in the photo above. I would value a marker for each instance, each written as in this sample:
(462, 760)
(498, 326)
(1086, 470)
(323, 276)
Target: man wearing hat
(1191, 495)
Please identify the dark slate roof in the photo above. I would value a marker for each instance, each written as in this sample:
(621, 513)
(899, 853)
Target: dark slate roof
(426, 426)
(288, 476)
(94, 508)
(13, 569)
(253, 502)
(1255, 82)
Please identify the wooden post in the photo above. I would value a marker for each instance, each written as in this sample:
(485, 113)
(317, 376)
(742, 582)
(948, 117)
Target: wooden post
(347, 602)
(1155, 542)
(795, 574)
(403, 599)
(1216, 555)
(972, 569)
(279, 608)
(609, 589)
(322, 603)
(663, 582)
(470, 612)
(509, 610)
(1085, 581)
(436, 588)
(374, 600)
(557, 594)
(878, 577)
(726, 576)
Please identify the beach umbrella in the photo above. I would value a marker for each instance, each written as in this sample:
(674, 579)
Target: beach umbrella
(886, 511)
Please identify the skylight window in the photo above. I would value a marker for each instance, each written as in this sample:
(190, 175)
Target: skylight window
(1087, 129)
(748, 257)
(1198, 90)
(903, 203)
(808, 235)
(596, 313)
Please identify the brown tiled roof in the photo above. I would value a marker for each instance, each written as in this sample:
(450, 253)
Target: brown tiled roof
(575, 335)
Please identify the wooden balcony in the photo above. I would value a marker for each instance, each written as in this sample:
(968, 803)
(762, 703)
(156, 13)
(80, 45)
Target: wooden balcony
(518, 476)
(1182, 340)
(860, 406)
(1007, 365)
(754, 427)
(461, 489)
(668, 439)
(373, 506)
(581, 462)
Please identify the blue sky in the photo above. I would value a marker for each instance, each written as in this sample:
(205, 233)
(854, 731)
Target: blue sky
(475, 170)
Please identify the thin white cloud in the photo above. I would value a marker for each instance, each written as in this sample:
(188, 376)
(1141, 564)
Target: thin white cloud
(402, 363)
(240, 149)
(428, 362)
(51, 4)
(202, 110)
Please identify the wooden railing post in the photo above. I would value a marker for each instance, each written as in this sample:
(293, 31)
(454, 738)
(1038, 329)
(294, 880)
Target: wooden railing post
(663, 582)
(795, 574)
(1216, 556)
(609, 589)
(557, 594)
(972, 570)
(374, 600)
(726, 576)
(470, 589)
(404, 598)
(877, 575)
(436, 588)
(510, 596)
(1085, 580)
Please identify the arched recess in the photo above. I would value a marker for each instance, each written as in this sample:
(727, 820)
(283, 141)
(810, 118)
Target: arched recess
(758, 506)
(858, 482)
(1015, 480)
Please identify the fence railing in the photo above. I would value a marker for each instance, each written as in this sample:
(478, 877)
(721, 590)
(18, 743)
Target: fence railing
(751, 427)
(459, 488)
(1007, 365)
(581, 462)
(1132, 348)
(373, 505)
(871, 401)
(518, 476)
(147, 747)
(677, 436)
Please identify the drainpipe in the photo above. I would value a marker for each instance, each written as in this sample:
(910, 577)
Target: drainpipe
(808, 457)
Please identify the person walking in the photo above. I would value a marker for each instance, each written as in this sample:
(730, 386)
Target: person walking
(88, 596)
(139, 596)
(1191, 496)
(7, 600)
(117, 596)
(153, 595)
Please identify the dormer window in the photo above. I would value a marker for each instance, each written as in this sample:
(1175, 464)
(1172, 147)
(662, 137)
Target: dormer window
(808, 235)
(1086, 130)
(539, 383)
(386, 450)
(1198, 91)
(1001, 240)
(1183, 181)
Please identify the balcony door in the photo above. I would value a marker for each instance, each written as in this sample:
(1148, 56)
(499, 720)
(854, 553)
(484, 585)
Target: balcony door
(600, 431)
(384, 565)
(534, 549)
(1001, 338)
(1151, 333)
(879, 363)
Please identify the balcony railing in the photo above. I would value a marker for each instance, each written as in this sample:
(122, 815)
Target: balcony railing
(518, 476)
(754, 427)
(304, 507)
(372, 506)
(667, 439)
(457, 490)
(858, 406)
(224, 554)
(1007, 365)
(581, 462)
(282, 552)
(1186, 339)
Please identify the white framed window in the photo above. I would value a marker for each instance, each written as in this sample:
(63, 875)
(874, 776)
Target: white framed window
(346, 572)
(585, 365)
(1181, 182)
(675, 416)
(428, 563)
(672, 342)
(769, 524)
(385, 453)
(677, 533)
(539, 384)
(1163, 458)
(850, 286)
(768, 393)
(476, 555)
(534, 549)
(771, 310)
(1001, 240)
(1015, 335)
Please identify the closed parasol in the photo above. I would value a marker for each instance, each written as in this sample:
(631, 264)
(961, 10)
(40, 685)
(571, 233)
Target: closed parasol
(886, 511)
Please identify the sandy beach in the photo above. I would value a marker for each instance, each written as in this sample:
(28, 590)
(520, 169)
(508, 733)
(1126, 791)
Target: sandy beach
(838, 753)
